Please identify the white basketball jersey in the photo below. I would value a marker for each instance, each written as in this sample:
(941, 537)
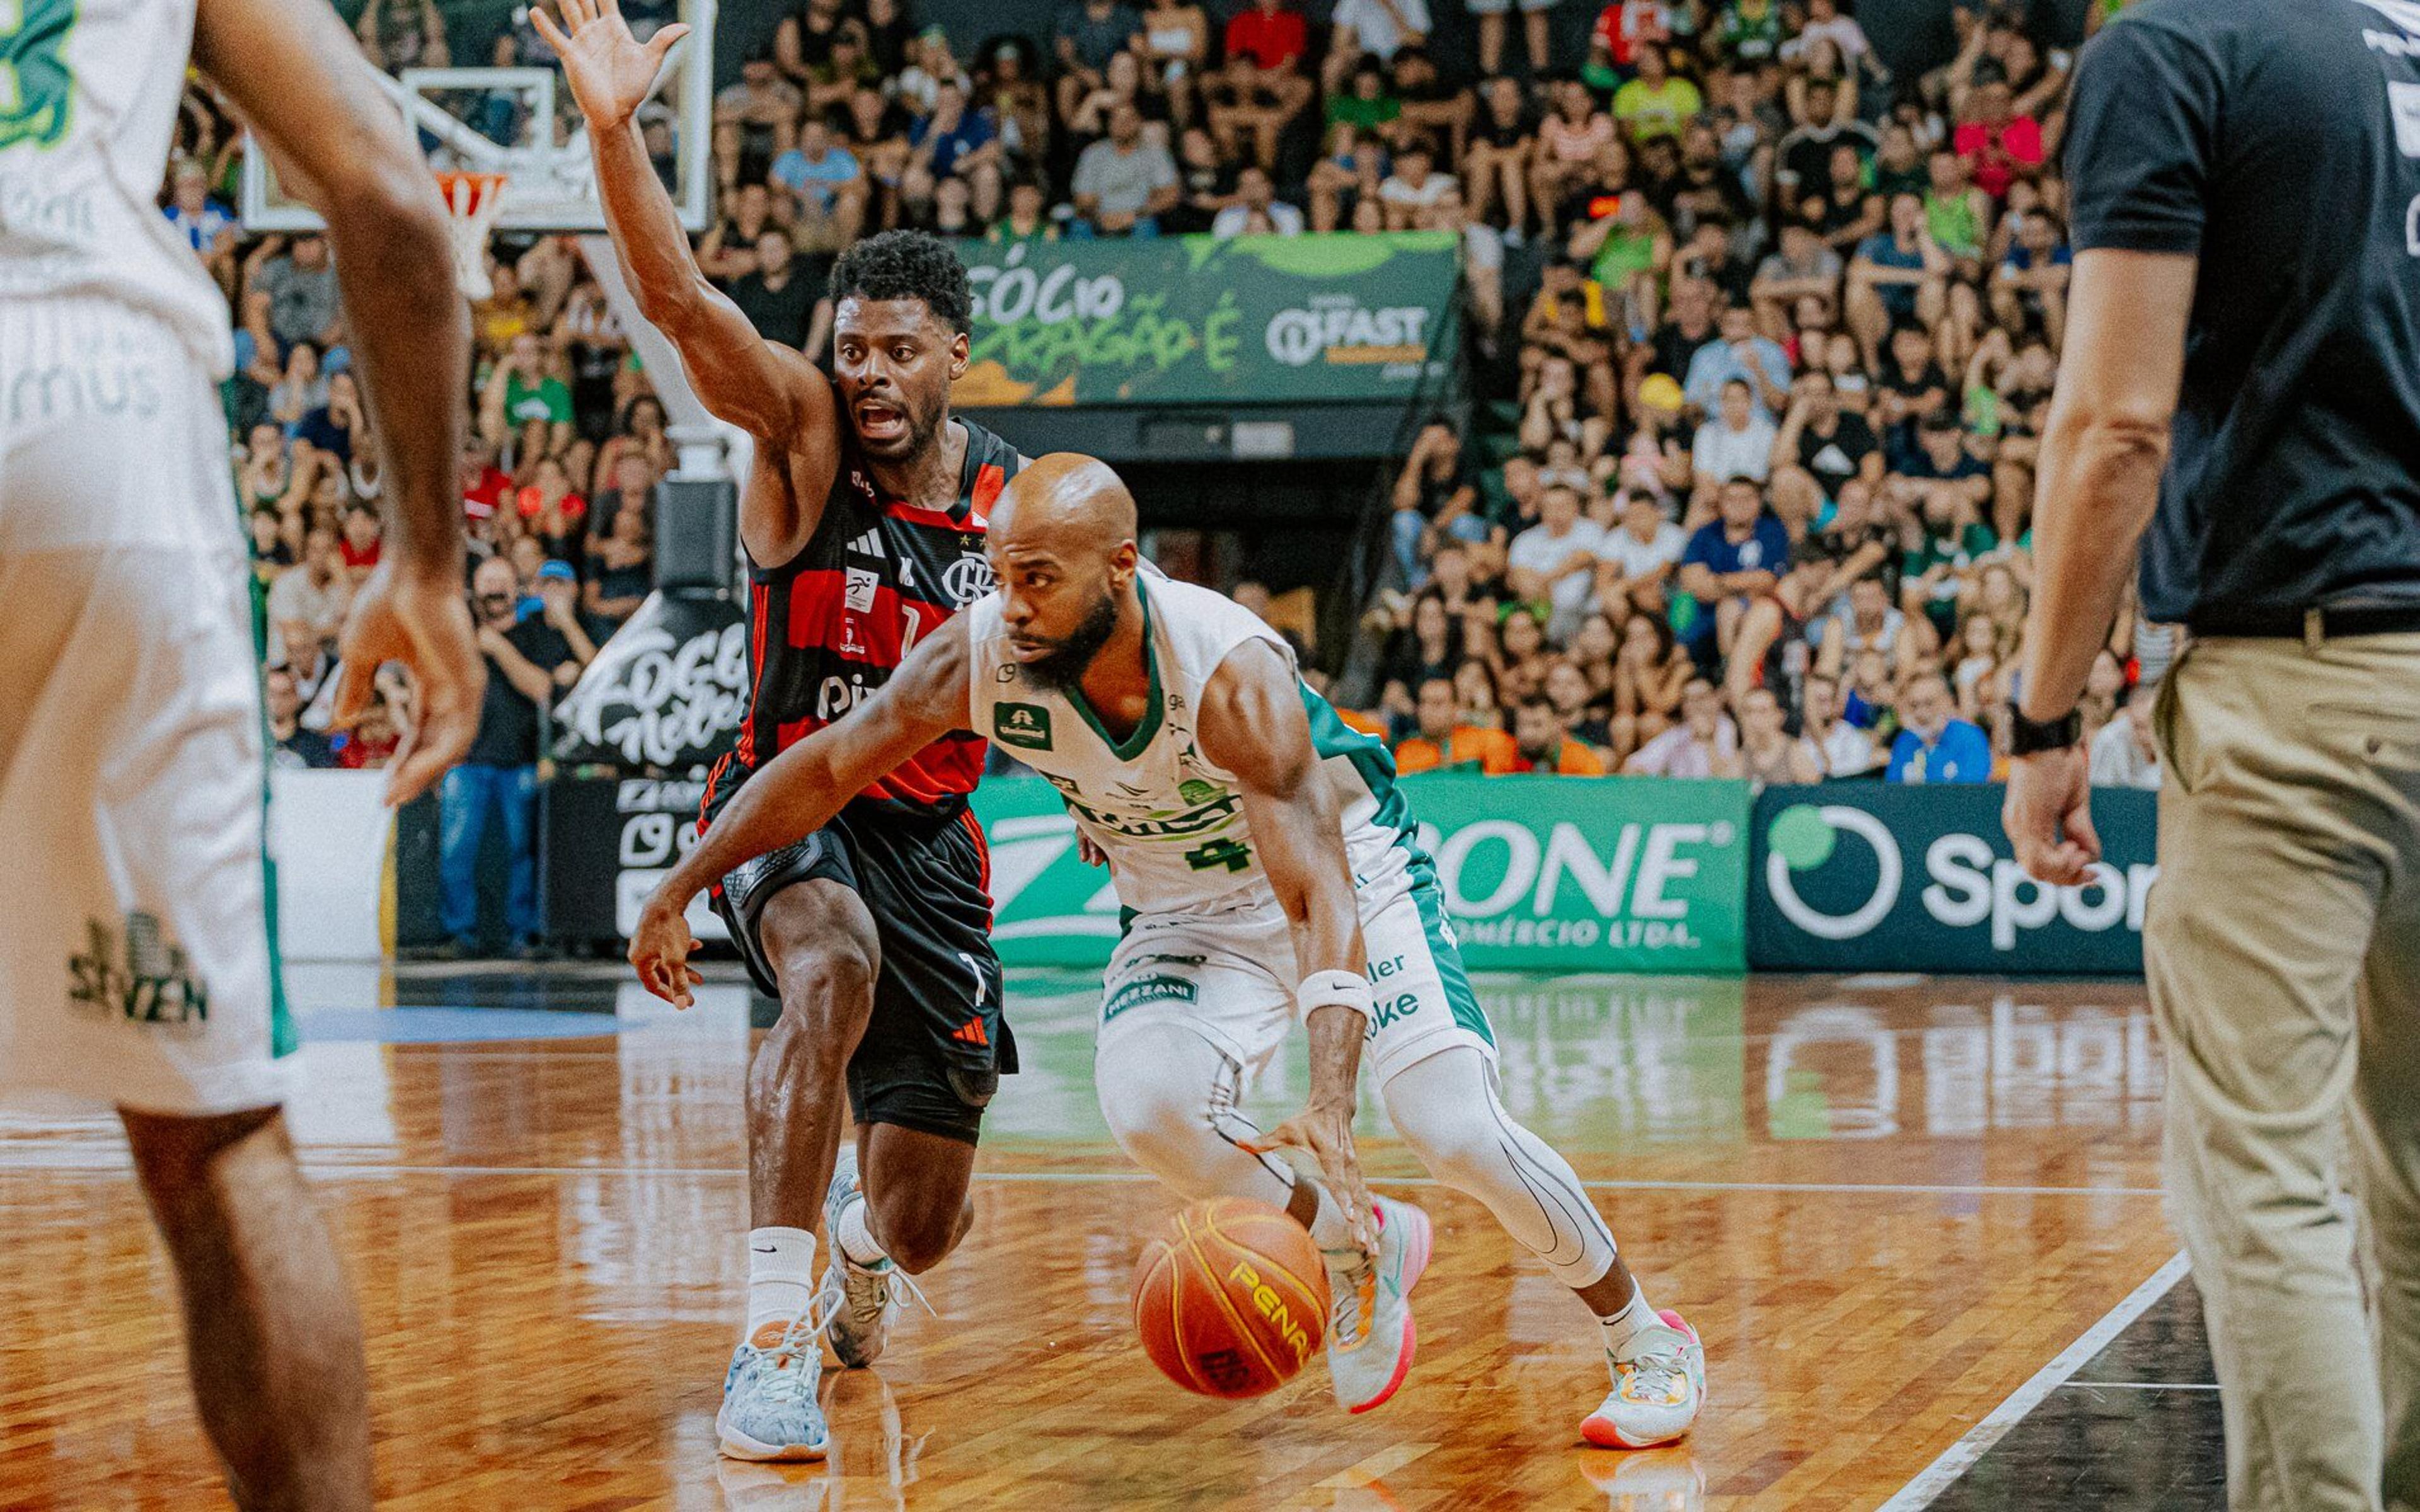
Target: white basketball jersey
(1169, 820)
(89, 91)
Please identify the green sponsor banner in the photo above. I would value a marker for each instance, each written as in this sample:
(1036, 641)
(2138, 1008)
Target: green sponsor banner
(1537, 873)
(1317, 320)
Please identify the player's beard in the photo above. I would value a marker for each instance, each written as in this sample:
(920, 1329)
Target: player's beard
(1063, 668)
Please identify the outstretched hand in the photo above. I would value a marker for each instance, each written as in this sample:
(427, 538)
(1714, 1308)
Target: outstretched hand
(1327, 1134)
(659, 950)
(610, 71)
(426, 626)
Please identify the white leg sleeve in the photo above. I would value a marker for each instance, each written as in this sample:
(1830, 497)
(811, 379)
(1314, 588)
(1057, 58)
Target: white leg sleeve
(1445, 1108)
(1169, 1098)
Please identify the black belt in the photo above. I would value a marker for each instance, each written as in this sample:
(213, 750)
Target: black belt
(2318, 623)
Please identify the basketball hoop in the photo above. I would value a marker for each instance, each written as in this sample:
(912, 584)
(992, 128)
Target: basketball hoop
(473, 202)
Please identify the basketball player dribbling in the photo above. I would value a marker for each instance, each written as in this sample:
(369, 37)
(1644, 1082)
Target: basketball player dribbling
(864, 518)
(137, 970)
(1268, 864)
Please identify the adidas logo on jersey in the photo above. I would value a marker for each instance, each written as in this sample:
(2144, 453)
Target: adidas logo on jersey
(868, 545)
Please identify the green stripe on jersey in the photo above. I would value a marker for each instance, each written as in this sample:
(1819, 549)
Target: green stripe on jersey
(1459, 998)
(1331, 736)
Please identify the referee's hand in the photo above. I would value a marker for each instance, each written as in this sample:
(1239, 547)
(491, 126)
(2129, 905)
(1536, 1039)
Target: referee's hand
(2049, 816)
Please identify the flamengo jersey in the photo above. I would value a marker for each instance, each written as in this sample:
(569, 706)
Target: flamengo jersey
(1169, 820)
(89, 96)
(829, 627)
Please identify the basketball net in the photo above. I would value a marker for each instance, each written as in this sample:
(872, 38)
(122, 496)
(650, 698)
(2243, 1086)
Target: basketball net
(473, 202)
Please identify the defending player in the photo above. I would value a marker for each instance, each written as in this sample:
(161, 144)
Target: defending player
(1271, 867)
(136, 970)
(863, 517)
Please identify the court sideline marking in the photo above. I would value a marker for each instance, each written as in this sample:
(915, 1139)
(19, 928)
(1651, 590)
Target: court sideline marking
(342, 1168)
(1959, 1456)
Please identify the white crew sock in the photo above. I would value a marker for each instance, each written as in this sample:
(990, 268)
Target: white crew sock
(1329, 1228)
(781, 1278)
(1619, 1328)
(855, 1239)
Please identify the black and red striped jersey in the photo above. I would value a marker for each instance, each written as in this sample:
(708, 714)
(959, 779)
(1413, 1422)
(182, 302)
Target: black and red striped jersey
(829, 627)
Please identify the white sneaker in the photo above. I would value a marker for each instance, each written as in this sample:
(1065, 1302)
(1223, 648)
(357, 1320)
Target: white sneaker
(1659, 1383)
(1369, 1337)
(871, 1295)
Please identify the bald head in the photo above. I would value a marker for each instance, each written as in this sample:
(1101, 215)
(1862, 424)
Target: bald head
(1062, 541)
(1066, 504)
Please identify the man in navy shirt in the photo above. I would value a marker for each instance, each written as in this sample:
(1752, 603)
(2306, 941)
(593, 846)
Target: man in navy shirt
(1730, 564)
(2240, 397)
(1933, 745)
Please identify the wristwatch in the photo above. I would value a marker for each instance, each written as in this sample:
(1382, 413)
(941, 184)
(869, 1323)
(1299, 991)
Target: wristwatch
(2030, 737)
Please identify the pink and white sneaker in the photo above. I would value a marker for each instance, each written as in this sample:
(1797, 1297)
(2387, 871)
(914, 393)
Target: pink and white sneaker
(1659, 1383)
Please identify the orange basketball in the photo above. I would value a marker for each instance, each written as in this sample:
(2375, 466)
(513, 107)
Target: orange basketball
(1231, 1299)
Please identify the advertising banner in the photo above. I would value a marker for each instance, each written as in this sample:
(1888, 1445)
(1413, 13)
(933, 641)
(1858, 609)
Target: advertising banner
(1872, 877)
(1538, 874)
(609, 840)
(1310, 320)
(667, 692)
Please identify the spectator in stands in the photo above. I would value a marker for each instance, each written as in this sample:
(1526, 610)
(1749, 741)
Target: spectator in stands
(1704, 744)
(1257, 212)
(826, 185)
(1264, 86)
(1543, 744)
(775, 299)
(621, 571)
(498, 778)
(326, 430)
(1553, 563)
(1933, 745)
(2124, 754)
(291, 297)
(403, 34)
(1088, 34)
(1730, 561)
(1535, 33)
(1123, 183)
(1735, 442)
(1846, 750)
(954, 141)
(1658, 101)
(359, 548)
(311, 600)
(1819, 449)
(290, 746)
(1433, 497)
(1739, 353)
(1446, 740)
(208, 227)
(1768, 752)
(755, 120)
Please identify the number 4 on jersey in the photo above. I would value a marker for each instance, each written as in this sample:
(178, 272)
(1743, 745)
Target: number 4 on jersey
(1232, 853)
(36, 88)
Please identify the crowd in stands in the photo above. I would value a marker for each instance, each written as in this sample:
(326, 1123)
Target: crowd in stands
(1768, 335)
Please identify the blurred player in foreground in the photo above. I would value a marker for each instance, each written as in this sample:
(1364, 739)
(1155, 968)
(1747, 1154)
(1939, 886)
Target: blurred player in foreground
(1270, 864)
(137, 970)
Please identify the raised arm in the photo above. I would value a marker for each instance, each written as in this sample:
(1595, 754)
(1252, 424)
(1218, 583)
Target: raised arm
(291, 69)
(765, 389)
(799, 792)
(1252, 723)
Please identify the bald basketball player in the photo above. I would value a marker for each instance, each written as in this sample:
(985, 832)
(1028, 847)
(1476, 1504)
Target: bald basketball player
(1271, 867)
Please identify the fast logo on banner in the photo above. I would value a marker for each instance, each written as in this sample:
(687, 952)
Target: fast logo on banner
(1867, 877)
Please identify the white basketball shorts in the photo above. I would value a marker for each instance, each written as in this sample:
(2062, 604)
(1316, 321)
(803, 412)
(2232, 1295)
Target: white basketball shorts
(136, 968)
(1230, 977)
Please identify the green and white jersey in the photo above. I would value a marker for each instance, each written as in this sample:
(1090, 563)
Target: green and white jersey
(89, 91)
(1169, 820)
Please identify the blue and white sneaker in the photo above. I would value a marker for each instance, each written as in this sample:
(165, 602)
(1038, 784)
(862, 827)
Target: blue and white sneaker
(1369, 1337)
(870, 1295)
(770, 1411)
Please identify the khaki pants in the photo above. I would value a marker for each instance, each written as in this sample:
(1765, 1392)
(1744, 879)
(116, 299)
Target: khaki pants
(2283, 949)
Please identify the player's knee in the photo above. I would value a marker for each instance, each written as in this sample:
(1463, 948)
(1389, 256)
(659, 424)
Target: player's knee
(827, 989)
(917, 1235)
(1162, 1128)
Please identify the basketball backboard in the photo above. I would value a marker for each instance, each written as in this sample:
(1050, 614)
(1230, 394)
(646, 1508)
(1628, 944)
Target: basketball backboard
(518, 119)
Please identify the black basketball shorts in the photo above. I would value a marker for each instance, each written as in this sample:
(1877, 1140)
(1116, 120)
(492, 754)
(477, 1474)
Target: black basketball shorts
(937, 1044)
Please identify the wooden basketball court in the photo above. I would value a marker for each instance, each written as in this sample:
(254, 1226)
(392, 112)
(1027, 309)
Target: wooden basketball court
(1887, 1204)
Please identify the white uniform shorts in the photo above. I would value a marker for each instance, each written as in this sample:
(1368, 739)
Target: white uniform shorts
(1231, 979)
(136, 968)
